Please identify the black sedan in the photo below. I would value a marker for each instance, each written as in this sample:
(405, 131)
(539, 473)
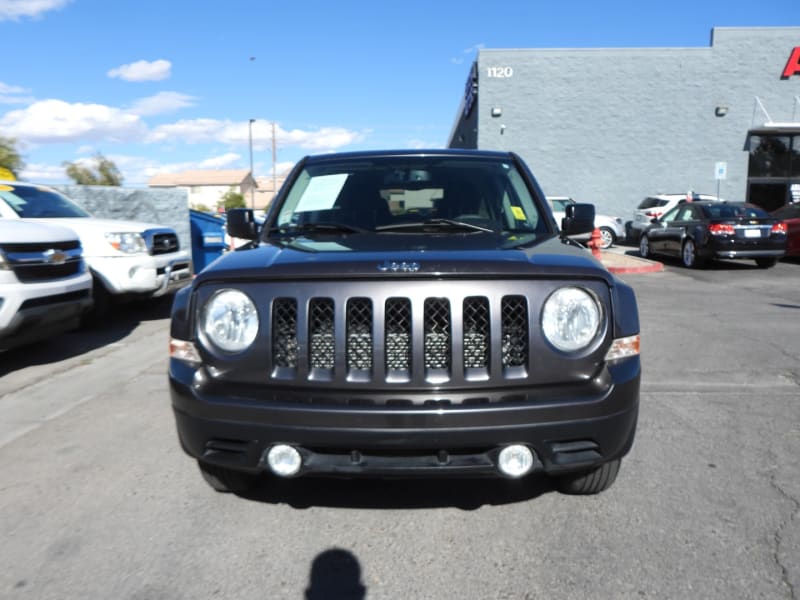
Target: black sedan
(701, 231)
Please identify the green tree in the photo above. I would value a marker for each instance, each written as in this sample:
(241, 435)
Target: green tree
(232, 199)
(9, 156)
(102, 172)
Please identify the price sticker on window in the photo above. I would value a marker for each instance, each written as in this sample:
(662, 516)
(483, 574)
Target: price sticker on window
(518, 213)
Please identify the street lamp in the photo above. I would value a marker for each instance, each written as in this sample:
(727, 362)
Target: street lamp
(252, 186)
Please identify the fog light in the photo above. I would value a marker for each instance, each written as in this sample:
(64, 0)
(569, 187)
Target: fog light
(515, 460)
(284, 460)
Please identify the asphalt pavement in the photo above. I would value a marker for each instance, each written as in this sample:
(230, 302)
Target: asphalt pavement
(98, 501)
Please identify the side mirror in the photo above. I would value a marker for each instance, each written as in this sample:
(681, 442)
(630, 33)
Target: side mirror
(242, 223)
(578, 219)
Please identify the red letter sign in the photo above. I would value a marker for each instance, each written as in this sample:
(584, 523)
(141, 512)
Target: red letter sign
(793, 66)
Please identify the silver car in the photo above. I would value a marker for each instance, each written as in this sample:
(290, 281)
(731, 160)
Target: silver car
(652, 207)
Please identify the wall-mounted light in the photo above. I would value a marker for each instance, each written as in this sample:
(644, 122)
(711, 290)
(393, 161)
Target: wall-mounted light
(721, 111)
(497, 111)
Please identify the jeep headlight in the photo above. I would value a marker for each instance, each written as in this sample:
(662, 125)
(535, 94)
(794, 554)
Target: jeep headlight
(571, 319)
(229, 320)
(127, 241)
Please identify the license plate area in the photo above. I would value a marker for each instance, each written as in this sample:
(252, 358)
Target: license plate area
(752, 233)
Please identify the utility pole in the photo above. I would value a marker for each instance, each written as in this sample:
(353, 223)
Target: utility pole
(252, 177)
(274, 174)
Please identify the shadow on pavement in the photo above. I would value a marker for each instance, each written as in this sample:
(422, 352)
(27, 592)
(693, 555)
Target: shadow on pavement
(116, 326)
(465, 494)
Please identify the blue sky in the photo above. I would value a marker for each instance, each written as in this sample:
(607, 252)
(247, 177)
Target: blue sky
(170, 85)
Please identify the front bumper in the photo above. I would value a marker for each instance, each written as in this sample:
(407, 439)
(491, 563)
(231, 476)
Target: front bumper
(143, 275)
(568, 429)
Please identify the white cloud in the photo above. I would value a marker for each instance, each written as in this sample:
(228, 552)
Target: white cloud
(142, 70)
(197, 131)
(218, 162)
(163, 102)
(52, 121)
(14, 10)
(43, 173)
(457, 60)
(12, 94)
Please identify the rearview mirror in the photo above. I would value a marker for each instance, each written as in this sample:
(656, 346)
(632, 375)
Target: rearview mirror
(578, 219)
(242, 223)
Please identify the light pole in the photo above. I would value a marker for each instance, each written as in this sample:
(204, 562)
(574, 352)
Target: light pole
(252, 187)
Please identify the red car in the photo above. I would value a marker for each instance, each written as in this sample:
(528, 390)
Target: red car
(790, 214)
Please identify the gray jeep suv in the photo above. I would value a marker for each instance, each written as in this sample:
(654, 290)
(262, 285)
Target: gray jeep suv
(407, 314)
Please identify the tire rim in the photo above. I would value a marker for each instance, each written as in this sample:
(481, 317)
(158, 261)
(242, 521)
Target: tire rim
(644, 246)
(688, 254)
(607, 238)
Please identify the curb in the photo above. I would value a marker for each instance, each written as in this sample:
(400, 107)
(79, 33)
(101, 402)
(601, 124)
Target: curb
(624, 263)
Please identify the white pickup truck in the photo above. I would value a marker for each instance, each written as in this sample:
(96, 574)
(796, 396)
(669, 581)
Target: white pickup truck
(45, 287)
(126, 258)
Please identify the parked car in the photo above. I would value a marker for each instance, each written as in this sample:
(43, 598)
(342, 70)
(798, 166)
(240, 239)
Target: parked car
(790, 214)
(612, 229)
(654, 207)
(700, 231)
(126, 258)
(407, 314)
(45, 287)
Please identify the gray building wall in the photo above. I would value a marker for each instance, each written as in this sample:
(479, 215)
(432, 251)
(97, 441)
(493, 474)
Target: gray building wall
(167, 207)
(610, 126)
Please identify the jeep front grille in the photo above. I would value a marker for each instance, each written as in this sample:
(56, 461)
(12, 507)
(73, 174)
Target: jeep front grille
(397, 340)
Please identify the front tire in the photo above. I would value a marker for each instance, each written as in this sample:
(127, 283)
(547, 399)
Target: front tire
(766, 263)
(590, 482)
(607, 238)
(226, 480)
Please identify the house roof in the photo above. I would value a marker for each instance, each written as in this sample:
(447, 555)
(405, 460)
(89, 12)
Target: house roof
(200, 177)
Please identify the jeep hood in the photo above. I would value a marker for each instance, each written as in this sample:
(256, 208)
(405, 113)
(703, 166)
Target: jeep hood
(409, 256)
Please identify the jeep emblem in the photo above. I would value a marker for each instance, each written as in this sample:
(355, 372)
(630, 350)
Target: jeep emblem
(398, 267)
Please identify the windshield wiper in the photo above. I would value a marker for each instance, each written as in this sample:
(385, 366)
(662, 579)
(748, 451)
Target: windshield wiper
(316, 228)
(435, 224)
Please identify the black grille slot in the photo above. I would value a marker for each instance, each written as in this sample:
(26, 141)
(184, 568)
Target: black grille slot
(476, 333)
(43, 272)
(397, 329)
(48, 300)
(41, 246)
(437, 333)
(320, 333)
(164, 243)
(515, 332)
(284, 333)
(359, 334)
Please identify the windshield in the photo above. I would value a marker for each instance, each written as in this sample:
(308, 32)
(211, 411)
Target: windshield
(39, 203)
(402, 194)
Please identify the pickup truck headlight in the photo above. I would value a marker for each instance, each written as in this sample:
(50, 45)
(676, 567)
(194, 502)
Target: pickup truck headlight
(571, 319)
(127, 242)
(229, 320)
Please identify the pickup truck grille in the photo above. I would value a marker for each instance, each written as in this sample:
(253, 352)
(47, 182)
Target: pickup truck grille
(378, 339)
(44, 261)
(164, 243)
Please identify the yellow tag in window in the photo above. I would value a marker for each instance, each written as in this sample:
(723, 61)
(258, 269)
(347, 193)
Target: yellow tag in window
(518, 213)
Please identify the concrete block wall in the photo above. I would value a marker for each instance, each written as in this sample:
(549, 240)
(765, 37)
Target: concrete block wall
(158, 206)
(610, 126)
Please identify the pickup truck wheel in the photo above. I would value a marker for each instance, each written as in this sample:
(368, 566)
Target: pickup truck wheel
(590, 482)
(101, 306)
(226, 480)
